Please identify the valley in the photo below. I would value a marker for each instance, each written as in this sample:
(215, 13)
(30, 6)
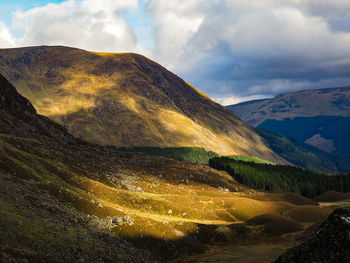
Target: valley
(155, 131)
(308, 128)
(65, 198)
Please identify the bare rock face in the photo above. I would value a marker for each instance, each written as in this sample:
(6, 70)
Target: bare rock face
(321, 143)
(330, 243)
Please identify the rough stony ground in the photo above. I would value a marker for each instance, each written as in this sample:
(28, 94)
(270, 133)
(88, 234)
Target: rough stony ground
(329, 244)
(37, 227)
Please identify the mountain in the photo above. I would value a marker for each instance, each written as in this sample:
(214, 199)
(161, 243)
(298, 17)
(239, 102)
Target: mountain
(125, 100)
(20, 118)
(327, 133)
(304, 155)
(37, 225)
(63, 199)
(317, 118)
(306, 103)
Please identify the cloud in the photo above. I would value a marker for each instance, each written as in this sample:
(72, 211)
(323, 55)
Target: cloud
(231, 49)
(6, 38)
(277, 86)
(235, 100)
(88, 24)
(237, 46)
(174, 22)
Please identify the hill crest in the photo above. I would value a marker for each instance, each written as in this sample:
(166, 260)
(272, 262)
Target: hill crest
(125, 100)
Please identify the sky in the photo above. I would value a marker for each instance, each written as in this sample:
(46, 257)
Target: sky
(233, 50)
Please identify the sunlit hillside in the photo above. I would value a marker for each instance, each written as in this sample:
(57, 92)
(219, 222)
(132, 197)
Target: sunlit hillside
(65, 200)
(125, 100)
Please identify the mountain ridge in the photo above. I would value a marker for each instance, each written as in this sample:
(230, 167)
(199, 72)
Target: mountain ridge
(319, 102)
(318, 117)
(125, 100)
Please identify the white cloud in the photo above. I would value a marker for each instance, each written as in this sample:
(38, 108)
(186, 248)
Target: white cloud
(6, 38)
(108, 6)
(234, 100)
(174, 22)
(88, 24)
(234, 49)
(249, 44)
(269, 33)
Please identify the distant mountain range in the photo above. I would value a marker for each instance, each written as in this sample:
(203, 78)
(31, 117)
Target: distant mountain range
(125, 100)
(316, 120)
(305, 103)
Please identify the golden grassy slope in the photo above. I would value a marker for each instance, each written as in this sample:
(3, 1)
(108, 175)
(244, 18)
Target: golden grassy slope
(164, 198)
(125, 100)
(54, 189)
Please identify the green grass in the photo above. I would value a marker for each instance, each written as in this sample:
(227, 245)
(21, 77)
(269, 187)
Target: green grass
(345, 203)
(247, 158)
(184, 154)
(21, 231)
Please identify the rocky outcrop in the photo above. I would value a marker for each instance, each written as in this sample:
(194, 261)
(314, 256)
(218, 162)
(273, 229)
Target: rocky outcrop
(329, 244)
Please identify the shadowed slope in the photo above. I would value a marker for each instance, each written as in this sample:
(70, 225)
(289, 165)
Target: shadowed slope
(63, 200)
(19, 117)
(125, 100)
(303, 155)
(315, 122)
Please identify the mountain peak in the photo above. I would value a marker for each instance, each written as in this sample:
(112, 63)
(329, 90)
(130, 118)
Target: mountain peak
(125, 100)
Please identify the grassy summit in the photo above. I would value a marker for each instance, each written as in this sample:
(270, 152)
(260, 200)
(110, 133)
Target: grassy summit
(125, 100)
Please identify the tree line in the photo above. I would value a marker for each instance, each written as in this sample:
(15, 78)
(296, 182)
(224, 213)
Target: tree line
(281, 178)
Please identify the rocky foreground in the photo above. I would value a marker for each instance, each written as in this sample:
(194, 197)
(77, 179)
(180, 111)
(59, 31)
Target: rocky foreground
(330, 243)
